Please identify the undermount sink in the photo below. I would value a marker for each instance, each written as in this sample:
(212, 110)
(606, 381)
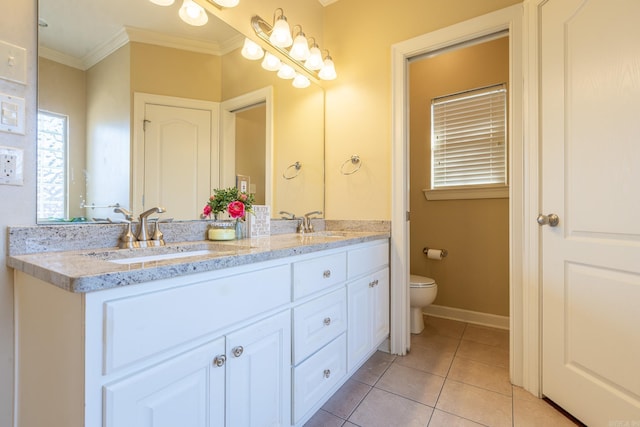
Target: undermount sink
(161, 257)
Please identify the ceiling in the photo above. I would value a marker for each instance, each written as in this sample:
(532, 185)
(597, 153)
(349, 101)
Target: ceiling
(77, 29)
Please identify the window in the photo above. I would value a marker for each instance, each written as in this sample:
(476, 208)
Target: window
(52, 166)
(469, 144)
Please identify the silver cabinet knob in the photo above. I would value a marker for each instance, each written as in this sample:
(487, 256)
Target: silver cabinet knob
(327, 321)
(552, 219)
(237, 351)
(327, 373)
(373, 284)
(326, 274)
(219, 360)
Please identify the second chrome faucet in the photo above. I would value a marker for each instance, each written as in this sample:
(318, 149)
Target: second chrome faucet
(142, 239)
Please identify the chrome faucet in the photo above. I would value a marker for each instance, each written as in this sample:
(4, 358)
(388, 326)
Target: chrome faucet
(128, 239)
(287, 215)
(142, 232)
(305, 225)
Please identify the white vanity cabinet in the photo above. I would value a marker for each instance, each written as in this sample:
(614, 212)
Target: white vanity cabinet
(261, 344)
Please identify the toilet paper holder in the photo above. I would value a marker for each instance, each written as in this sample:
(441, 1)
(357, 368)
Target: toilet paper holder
(444, 251)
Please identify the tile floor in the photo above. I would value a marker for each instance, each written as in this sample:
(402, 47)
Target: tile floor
(457, 374)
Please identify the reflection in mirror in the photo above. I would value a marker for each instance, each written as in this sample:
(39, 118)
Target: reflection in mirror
(92, 62)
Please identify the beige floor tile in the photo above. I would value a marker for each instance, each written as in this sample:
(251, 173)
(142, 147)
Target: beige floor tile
(483, 353)
(440, 326)
(411, 383)
(427, 359)
(476, 404)
(529, 411)
(324, 419)
(373, 368)
(345, 400)
(384, 409)
(479, 374)
(443, 419)
(485, 335)
(436, 342)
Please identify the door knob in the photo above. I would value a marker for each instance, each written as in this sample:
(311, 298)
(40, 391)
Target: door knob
(219, 360)
(551, 219)
(237, 351)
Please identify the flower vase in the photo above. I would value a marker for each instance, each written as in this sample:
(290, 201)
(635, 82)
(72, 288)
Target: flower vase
(221, 229)
(240, 229)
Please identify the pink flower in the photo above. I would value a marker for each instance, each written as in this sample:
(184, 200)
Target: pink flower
(243, 197)
(236, 209)
(207, 210)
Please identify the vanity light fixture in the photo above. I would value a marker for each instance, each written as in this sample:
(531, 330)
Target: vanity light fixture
(271, 62)
(281, 33)
(162, 2)
(225, 3)
(252, 50)
(193, 14)
(286, 72)
(306, 61)
(301, 81)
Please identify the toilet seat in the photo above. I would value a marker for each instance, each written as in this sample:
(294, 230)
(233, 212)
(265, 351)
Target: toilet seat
(416, 281)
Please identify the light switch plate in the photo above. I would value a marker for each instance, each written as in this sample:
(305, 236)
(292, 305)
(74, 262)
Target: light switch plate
(13, 63)
(11, 166)
(12, 111)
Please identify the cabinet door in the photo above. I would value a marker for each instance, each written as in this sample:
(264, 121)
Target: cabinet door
(186, 391)
(259, 373)
(359, 328)
(380, 306)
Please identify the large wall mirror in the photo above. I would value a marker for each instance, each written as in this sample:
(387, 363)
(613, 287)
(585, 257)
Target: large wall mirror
(132, 108)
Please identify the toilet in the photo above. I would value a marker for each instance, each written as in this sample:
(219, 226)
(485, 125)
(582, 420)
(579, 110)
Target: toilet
(422, 292)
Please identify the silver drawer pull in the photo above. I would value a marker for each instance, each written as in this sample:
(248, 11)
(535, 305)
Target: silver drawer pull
(374, 283)
(327, 321)
(237, 351)
(326, 274)
(327, 373)
(219, 360)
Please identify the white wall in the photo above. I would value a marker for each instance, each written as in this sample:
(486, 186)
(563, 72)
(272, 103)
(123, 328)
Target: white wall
(17, 203)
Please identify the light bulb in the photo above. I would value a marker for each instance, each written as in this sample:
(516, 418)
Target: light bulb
(162, 2)
(300, 49)
(251, 50)
(286, 72)
(193, 14)
(314, 62)
(328, 70)
(301, 81)
(227, 3)
(271, 63)
(281, 33)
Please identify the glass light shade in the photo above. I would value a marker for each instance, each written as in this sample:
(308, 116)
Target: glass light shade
(301, 81)
(286, 72)
(251, 50)
(328, 70)
(314, 62)
(270, 62)
(193, 14)
(162, 2)
(300, 49)
(281, 33)
(227, 3)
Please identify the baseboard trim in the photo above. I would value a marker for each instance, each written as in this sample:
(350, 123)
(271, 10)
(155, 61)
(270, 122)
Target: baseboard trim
(475, 317)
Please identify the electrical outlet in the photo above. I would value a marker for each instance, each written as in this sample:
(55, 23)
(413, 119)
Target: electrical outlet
(11, 166)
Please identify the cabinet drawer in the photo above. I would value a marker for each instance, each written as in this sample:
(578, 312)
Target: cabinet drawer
(318, 375)
(368, 259)
(317, 322)
(319, 273)
(143, 325)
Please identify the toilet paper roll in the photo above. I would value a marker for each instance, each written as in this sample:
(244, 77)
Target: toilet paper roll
(434, 254)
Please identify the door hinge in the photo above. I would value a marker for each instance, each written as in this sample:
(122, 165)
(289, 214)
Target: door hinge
(408, 216)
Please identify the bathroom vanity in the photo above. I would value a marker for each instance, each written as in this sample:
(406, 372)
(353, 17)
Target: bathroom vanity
(252, 333)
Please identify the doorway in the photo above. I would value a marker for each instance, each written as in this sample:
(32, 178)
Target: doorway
(510, 20)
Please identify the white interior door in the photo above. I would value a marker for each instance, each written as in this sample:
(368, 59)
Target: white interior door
(590, 129)
(177, 164)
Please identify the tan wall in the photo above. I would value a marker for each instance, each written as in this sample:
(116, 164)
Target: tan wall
(475, 275)
(250, 148)
(359, 34)
(62, 90)
(174, 72)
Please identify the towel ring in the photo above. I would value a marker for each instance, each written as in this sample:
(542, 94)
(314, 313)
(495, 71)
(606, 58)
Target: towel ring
(297, 166)
(354, 160)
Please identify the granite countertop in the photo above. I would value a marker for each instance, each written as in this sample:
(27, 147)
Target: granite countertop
(96, 269)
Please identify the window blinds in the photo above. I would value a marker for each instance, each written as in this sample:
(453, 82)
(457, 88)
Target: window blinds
(468, 138)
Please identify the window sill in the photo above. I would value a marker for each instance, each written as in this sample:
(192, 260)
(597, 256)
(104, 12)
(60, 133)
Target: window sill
(501, 192)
